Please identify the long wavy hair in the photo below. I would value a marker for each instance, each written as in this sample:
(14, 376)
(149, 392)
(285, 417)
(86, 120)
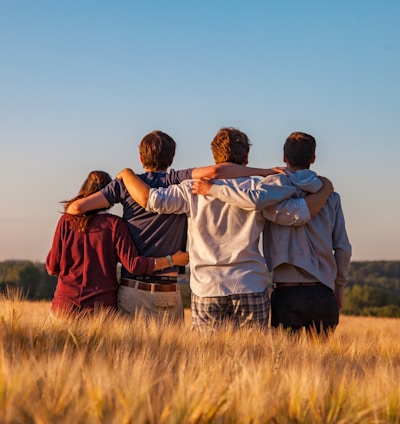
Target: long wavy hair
(95, 181)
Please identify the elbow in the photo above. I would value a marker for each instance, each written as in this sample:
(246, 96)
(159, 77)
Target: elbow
(143, 203)
(142, 200)
(74, 209)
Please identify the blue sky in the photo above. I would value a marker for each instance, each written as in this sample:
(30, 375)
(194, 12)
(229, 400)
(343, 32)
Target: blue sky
(83, 81)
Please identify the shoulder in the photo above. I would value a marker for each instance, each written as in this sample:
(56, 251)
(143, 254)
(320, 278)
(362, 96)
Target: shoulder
(113, 190)
(113, 184)
(176, 177)
(165, 179)
(335, 196)
(64, 219)
(276, 179)
(334, 202)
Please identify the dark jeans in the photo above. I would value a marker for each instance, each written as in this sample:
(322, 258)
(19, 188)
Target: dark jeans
(311, 307)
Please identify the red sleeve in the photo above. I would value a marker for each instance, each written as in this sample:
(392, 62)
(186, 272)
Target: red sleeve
(127, 252)
(54, 257)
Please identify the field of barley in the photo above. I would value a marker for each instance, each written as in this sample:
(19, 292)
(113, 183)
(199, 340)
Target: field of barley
(107, 369)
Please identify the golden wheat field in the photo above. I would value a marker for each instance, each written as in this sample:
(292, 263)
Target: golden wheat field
(107, 369)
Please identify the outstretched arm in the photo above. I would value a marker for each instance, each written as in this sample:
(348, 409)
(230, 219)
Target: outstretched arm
(90, 203)
(139, 190)
(266, 196)
(232, 170)
(136, 187)
(263, 196)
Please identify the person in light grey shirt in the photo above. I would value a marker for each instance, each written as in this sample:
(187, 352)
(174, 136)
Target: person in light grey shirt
(228, 272)
(310, 263)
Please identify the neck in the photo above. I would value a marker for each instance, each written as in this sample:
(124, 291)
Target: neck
(154, 170)
(295, 168)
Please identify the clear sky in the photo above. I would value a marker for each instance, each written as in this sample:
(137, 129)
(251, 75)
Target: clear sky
(83, 81)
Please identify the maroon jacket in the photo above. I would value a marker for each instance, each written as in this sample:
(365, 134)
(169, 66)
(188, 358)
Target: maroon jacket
(86, 263)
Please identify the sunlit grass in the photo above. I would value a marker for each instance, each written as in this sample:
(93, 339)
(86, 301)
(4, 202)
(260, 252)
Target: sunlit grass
(109, 369)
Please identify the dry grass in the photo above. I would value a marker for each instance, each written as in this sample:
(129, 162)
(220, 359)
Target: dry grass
(107, 369)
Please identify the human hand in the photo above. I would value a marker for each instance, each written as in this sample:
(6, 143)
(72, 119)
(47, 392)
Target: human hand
(278, 170)
(339, 300)
(180, 258)
(202, 186)
(326, 184)
(123, 173)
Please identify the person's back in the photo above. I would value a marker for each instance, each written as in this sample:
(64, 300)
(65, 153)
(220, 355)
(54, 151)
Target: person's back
(153, 234)
(228, 273)
(309, 263)
(85, 253)
(158, 294)
(86, 262)
(309, 246)
(223, 240)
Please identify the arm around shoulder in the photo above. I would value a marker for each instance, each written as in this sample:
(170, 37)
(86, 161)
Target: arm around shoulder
(316, 201)
(231, 170)
(136, 187)
(92, 202)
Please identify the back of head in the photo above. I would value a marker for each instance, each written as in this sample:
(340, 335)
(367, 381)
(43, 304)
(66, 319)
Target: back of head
(299, 149)
(230, 145)
(95, 181)
(157, 150)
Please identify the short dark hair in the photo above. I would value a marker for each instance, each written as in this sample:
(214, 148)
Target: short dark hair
(157, 150)
(230, 145)
(299, 149)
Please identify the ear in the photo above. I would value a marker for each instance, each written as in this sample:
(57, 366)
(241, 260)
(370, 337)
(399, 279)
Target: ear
(313, 159)
(284, 158)
(141, 160)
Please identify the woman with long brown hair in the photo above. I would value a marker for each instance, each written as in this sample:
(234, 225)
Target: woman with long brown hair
(86, 250)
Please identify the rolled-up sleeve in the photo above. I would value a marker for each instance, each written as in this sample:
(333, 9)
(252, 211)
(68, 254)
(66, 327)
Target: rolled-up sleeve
(172, 199)
(252, 199)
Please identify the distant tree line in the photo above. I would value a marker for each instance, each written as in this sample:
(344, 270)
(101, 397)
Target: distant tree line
(30, 278)
(373, 289)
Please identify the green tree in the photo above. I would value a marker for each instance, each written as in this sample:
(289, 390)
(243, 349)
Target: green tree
(29, 279)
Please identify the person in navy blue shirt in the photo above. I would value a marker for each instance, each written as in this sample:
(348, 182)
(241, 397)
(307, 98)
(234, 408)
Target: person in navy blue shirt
(85, 252)
(157, 295)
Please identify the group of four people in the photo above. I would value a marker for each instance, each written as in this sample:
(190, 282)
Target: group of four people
(219, 213)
